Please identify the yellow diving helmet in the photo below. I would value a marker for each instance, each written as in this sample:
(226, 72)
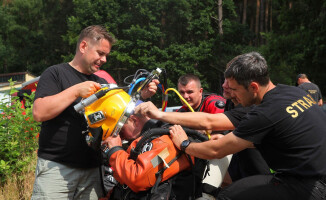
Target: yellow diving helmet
(110, 111)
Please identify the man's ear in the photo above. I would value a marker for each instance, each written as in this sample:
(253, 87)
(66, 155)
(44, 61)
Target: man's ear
(201, 90)
(83, 46)
(254, 87)
(299, 81)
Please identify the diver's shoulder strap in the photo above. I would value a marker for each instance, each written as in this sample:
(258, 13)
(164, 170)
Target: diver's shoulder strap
(160, 172)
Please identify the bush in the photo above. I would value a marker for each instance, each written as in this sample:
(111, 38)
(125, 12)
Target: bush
(18, 134)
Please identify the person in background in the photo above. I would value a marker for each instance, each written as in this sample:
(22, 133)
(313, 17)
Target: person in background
(313, 89)
(286, 126)
(67, 168)
(189, 87)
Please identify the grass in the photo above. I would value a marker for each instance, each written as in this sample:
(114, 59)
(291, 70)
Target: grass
(20, 186)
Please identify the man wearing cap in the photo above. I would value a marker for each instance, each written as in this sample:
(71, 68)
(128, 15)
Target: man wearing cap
(313, 89)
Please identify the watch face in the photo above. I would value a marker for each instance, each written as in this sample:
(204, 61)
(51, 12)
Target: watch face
(184, 145)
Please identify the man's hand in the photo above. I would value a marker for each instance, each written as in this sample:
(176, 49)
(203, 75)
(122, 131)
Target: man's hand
(150, 90)
(49, 107)
(113, 141)
(148, 109)
(178, 135)
(216, 136)
(86, 89)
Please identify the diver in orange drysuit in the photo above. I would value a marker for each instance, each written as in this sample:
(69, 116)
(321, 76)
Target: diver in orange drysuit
(178, 180)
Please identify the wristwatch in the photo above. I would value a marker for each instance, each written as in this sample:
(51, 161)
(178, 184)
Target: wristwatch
(184, 145)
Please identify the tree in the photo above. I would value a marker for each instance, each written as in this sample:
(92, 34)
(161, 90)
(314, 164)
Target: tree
(257, 22)
(220, 17)
(296, 46)
(30, 34)
(244, 12)
(179, 36)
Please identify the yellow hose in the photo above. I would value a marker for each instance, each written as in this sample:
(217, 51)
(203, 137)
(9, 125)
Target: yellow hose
(184, 101)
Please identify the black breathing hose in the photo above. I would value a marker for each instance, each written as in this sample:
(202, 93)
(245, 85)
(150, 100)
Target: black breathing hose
(159, 132)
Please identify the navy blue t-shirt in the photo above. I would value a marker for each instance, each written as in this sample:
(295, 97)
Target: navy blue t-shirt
(289, 129)
(312, 89)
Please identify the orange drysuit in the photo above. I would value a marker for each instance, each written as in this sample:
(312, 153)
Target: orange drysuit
(139, 175)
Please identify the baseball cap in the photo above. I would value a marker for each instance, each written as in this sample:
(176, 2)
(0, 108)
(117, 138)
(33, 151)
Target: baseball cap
(296, 80)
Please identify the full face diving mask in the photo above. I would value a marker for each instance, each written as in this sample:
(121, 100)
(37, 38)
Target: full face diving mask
(110, 111)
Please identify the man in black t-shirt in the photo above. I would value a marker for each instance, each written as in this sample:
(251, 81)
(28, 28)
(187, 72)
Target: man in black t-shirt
(286, 126)
(249, 161)
(304, 83)
(246, 163)
(67, 168)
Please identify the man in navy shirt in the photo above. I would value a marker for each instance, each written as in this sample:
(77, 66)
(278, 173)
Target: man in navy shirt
(313, 89)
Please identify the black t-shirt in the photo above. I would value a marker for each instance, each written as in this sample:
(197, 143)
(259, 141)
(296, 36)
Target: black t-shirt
(247, 162)
(61, 138)
(312, 89)
(235, 113)
(289, 129)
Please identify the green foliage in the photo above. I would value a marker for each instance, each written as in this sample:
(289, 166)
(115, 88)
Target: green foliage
(181, 36)
(18, 134)
(297, 45)
(30, 34)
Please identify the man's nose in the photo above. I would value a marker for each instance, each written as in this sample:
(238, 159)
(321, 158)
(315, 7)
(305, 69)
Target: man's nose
(185, 95)
(103, 59)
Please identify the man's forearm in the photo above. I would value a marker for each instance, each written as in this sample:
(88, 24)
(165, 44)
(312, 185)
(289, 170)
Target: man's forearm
(47, 108)
(198, 120)
(217, 149)
(185, 119)
(206, 150)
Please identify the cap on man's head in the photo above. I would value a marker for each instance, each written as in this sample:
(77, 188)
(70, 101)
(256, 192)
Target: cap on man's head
(296, 80)
(300, 76)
